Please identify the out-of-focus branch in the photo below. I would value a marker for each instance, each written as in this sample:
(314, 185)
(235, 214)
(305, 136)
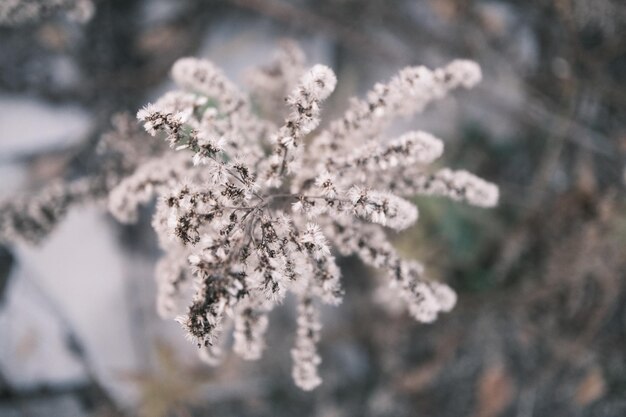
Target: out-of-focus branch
(91, 388)
(286, 12)
(6, 265)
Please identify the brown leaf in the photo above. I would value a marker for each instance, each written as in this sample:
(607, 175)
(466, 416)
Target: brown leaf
(494, 391)
(420, 378)
(591, 388)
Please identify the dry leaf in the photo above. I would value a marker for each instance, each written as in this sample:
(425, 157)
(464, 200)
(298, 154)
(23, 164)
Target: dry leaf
(591, 388)
(494, 391)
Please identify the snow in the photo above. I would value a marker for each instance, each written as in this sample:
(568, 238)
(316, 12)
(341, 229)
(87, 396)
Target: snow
(32, 347)
(81, 271)
(29, 125)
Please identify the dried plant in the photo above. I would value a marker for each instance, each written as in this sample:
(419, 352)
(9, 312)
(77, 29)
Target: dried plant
(17, 12)
(248, 212)
(31, 218)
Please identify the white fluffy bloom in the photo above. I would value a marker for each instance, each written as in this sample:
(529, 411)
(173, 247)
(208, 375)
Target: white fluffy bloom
(211, 355)
(152, 178)
(225, 220)
(250, 325)
(315, 241)
(201, 76)
(237, 195)
(320, 81)
(304, 354)
(446, 297)
(315, 85)
(172, 280)
(409, 149)
(460, 186)
(462, 72)
(382, 208)
(423, 304)
(326, 183)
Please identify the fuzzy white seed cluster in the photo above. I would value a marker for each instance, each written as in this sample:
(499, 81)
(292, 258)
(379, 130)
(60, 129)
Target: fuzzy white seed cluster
(249, 211)
(305, 357)
(31, 217)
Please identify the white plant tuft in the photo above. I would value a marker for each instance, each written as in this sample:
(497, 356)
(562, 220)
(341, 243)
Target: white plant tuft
(248, 212)
(258, 212)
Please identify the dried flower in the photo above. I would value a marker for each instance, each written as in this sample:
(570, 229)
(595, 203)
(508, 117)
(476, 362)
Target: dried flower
(31, 218)
(248, 212)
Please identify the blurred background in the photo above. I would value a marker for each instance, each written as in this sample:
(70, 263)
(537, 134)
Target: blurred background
(540, 327)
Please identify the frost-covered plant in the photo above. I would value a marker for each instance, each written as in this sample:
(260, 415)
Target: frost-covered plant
(30, 218)
(17, 12)
(248, 212)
